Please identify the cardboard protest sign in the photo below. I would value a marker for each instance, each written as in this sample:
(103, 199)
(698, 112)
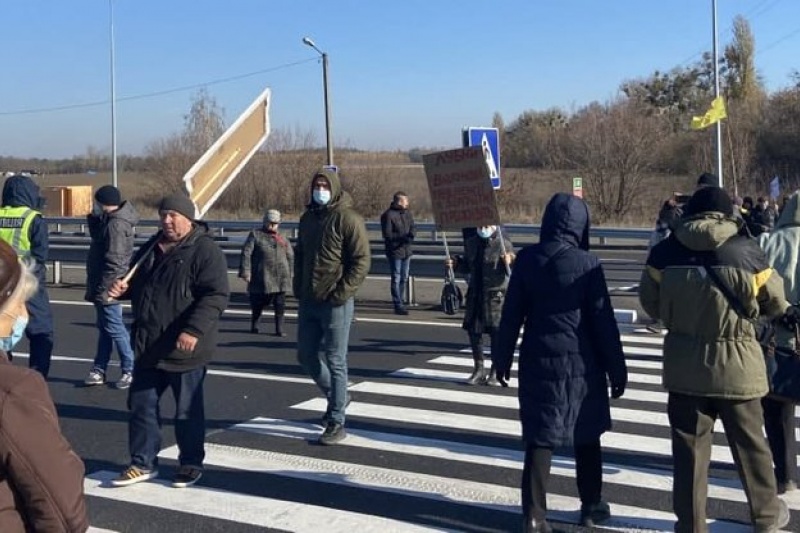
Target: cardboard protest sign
(461, 192)
(216, 169)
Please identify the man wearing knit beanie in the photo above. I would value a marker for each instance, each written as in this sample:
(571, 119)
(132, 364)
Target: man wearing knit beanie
(111, 227)
(697, 282)
(179, 293)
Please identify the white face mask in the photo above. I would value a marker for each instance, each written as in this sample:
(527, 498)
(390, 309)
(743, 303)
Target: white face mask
(321, 196)
(486, 231)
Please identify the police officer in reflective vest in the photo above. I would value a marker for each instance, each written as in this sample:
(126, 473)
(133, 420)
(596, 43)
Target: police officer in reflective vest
(22, 226)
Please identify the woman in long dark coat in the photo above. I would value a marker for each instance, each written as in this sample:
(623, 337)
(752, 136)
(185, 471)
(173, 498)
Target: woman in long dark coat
(570, 346)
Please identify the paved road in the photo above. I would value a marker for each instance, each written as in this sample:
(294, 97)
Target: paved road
(425, 453)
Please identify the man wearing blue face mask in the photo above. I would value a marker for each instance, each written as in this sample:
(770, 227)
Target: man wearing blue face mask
(331, 260)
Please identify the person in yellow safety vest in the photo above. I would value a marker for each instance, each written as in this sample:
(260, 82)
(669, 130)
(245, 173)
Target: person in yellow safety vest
(22, 227)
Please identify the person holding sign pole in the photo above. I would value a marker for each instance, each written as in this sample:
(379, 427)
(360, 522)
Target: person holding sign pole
(487, 260)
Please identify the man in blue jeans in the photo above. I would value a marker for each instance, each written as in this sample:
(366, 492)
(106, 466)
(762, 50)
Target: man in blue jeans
(178, 294)
(111, 228)
(331, 260)
(397, 226)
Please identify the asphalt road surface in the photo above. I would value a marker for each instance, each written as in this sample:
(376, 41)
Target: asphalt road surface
(424, 451)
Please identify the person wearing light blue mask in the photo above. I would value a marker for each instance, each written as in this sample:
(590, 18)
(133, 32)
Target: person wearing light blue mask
(331, 261)
(41, 477)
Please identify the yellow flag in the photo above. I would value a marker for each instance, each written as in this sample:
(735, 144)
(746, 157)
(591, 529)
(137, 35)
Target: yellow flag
(714, 114)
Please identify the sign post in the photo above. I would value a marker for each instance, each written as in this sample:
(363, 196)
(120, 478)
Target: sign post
(489, 140)
(577, 187)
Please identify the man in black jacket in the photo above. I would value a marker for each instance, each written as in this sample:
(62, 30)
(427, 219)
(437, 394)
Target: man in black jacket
(111, 225)
(178, 294)
(397, 225)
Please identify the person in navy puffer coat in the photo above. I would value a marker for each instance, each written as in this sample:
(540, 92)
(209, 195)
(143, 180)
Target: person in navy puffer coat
(570, 349)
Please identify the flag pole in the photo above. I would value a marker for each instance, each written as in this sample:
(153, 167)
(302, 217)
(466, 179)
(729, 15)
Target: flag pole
(716, 89)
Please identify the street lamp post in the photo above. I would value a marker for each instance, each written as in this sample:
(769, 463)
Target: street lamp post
(328, 139)
(114, 180)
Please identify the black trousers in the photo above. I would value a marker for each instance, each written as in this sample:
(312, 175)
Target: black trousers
(259, 301)
(780, 424)
(536, 472)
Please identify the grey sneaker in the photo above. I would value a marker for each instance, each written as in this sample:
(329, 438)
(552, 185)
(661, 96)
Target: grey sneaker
(125, 381)
(783, 516)
(333, 434)
(95, 377)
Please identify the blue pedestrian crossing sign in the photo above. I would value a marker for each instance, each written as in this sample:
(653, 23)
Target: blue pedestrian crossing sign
(489, 139)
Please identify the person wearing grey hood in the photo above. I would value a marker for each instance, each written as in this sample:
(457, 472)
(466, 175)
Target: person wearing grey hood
(111, 228)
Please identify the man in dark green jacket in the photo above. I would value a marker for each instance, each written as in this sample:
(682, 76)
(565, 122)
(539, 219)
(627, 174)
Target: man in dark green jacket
(331, 260)
(713, 363)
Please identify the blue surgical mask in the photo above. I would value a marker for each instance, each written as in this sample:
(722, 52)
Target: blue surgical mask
(486, 231)
(17, 331)
(321, 196)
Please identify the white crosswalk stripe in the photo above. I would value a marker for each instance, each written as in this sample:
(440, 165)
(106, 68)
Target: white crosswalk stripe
(413, 432)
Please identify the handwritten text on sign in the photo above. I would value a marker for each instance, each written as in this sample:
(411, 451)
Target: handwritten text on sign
(461, 192)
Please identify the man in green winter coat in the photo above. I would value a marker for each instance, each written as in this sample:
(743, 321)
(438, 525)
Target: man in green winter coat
(331, 260)
(713, 364)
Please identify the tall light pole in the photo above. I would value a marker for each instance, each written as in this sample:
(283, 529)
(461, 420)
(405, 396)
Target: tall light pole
(716, 89)
(114, 180)
(328, 140)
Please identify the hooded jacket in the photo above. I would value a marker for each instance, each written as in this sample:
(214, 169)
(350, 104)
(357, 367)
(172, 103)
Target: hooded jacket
(710, 350)
(41, 477)
(332, 254)
(21, 191)
(186, 290)
(110, 250)
(571, 343)
(782, 247)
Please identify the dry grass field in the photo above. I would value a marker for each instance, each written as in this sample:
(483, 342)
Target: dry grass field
(372, 182)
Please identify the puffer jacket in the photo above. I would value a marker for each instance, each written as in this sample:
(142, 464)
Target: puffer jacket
(782, 247)
(186, 290)
(110, 250)
(482, 263)
(710, 350)
(267, 260)
(571, 345)
(332, 254)
(41, 478)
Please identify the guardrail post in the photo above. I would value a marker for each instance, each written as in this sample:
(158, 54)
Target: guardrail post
(57, 274)
(410, 295)
(603, 241)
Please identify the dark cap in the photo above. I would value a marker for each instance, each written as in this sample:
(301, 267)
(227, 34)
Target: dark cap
(10, 272)
(710, 199)
(707, 179)
(180, 203)
(108, 195)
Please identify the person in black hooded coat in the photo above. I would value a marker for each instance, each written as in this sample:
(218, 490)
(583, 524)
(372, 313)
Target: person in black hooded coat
(570, 347)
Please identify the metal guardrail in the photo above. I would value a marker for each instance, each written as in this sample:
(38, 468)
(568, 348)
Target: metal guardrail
(427, 263)
(221, 227)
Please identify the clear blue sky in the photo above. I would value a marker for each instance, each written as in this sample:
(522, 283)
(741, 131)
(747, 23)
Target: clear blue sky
(402, 74)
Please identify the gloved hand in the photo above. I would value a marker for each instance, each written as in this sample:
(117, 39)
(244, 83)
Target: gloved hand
(502, 375)
(617, 390)
(791, 318)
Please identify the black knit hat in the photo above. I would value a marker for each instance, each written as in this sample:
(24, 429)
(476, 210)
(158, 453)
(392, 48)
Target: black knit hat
(180, 203)
(108, 195)
(710, 199)
(707, 179)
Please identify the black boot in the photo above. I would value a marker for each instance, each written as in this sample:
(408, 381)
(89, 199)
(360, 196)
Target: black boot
(279, 325)
(478, 375)
(491, 379)
(531, 525)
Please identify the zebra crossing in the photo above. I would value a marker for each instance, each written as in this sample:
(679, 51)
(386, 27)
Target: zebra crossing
(426, 453)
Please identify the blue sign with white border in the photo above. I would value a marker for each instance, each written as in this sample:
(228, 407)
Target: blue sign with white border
(490, 139)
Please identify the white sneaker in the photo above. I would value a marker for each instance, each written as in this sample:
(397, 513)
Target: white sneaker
(95, 377)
